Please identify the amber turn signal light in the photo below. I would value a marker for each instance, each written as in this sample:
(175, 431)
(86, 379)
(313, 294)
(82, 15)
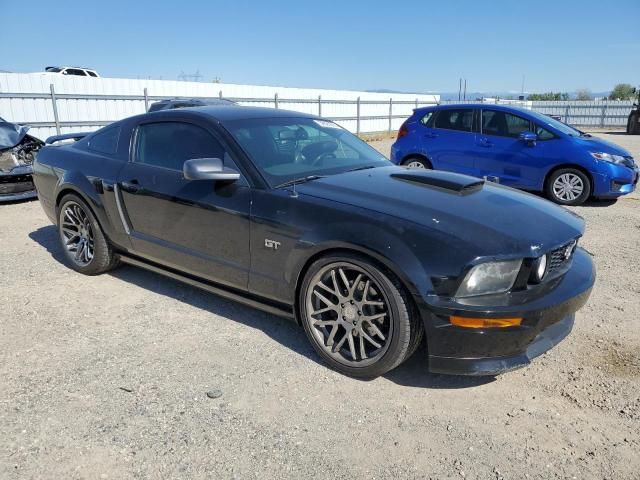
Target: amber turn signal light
(484, 322)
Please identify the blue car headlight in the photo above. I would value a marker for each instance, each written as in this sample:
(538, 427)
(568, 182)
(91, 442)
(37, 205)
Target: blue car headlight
(490, 277)
(608, 157)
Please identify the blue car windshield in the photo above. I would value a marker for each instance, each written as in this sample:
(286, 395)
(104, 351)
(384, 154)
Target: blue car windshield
(552, 122)
(286, 149)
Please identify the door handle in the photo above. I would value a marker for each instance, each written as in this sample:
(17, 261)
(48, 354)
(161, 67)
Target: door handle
(485, 143)
(430, 135)
(132, 186)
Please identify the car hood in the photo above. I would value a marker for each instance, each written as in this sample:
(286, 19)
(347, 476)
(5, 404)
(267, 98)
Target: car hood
(494, 219)
(594, 144)
(11, 134)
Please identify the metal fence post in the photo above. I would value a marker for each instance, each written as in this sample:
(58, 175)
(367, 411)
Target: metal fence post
(55, 108)
(358, 116)
(566, 113)
(319, 105)
(604, 113)
(275, 99)
(220, 94)
(146, 100)
(390, 113)
(416, 103)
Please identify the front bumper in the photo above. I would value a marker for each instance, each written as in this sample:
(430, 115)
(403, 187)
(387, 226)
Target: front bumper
(547, 313)
(615, 181)
(17, 184)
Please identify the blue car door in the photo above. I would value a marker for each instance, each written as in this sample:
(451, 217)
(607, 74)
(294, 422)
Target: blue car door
(499, 152)
(448, 140)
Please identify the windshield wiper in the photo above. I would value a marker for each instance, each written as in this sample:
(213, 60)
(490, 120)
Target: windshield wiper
(365, 167)
(296, 181)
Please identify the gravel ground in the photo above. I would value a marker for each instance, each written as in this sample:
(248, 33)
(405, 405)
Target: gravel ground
(107, 377)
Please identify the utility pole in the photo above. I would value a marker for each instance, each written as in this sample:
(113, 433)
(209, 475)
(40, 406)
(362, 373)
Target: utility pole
(464, 97)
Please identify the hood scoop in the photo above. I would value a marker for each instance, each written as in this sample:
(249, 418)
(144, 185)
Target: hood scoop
(451, 182)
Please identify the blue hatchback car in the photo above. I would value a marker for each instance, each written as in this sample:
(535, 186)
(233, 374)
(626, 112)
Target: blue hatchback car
(518, 148)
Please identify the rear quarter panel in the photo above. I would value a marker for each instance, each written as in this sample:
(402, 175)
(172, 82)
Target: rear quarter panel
(71, 169)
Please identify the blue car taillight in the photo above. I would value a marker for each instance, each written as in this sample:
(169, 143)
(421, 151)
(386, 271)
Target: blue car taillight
(403, 131)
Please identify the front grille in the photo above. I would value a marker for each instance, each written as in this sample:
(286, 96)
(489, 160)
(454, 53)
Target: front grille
(15, 178)
(17, 187)
(560, 257)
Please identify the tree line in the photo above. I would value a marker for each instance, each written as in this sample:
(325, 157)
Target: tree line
(622, 91)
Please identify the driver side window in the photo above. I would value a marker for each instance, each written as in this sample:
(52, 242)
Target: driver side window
(169, 144)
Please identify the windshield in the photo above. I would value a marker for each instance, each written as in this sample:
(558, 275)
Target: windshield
(562, 127)
(53, 69)
(285, 149)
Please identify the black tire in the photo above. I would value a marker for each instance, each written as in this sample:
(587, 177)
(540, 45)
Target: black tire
(633, 125)
(102, 258)
(417, 162)
(402, 331)
(557, 196)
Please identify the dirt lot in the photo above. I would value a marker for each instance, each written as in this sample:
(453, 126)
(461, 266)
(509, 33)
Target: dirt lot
(106, 377)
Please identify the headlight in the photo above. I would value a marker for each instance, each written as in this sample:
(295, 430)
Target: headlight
(608, 157)
(8, 160)
(539, 269)
(491, 277)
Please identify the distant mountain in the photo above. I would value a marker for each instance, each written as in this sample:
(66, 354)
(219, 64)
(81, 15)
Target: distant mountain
(384, 90)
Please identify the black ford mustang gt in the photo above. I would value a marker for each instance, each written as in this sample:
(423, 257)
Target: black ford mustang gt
(292, 214)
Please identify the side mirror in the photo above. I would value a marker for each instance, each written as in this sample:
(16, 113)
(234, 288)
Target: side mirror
(208, 169)
(529, 138)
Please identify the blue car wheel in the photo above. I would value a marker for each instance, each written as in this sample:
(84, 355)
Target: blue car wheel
(417, 162)
(568, 186)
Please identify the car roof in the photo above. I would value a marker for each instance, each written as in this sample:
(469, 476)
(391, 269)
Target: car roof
(69, 66)
(169, 103)
(493, 106)
(230, 112)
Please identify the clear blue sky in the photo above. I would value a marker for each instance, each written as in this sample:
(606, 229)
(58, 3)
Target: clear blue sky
(408, 45)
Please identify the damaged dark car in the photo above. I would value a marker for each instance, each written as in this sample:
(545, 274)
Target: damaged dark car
(292, 214)
(17, 152)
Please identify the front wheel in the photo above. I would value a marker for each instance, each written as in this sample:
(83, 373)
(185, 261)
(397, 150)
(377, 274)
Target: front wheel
(83, 241)
(417, 162)
(568, 186)
(356, 317)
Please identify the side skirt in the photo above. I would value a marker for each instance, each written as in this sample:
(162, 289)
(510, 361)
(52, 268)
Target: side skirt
(251, 301)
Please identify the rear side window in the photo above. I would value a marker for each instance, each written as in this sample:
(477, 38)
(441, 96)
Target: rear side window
(106, 141)
(503, 124)
(170, 144)
(427, 120)
(454, 119)
(74, 71)
(91, 74)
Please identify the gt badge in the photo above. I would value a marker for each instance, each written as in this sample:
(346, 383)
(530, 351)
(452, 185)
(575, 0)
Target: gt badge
(271, 244)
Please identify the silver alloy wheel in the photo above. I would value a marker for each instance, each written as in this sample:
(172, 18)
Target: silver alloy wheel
(415, 164)
(349, 314)
(76, 234)
(568, 187)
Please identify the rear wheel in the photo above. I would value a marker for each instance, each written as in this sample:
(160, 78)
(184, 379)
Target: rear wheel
(357, 317)
(633, 124)
(417, 162)
(568, 186)
(85, 246)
